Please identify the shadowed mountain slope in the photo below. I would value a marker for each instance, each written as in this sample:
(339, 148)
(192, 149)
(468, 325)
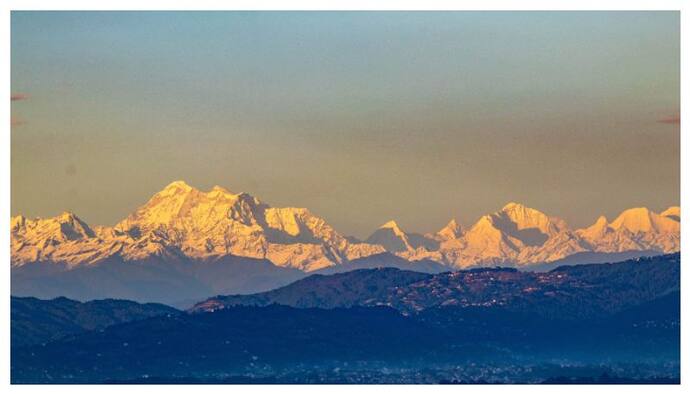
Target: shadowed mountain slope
(571, 292)
(35, 321)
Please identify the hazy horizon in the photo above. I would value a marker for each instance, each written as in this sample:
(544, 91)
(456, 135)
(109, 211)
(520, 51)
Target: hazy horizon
(361, 117)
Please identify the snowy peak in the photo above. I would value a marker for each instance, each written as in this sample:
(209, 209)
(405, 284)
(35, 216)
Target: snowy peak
(184, 207)
(672, 213)
(524, 218)
(514, 235)
(292, 221)
(514, 206)
(179, 184)
(600, 224)
(73, 227)
(391, 237)
(64, 227)
(596, 230)
(219, 190)
(180, 190)
(513, 227)
(64, 238)
(642, 220)
(393, 225)
(181, 220)
(634, 229)
(634, 220)
(389, 224)
(485, 225)
(175, 188)
(452, 230)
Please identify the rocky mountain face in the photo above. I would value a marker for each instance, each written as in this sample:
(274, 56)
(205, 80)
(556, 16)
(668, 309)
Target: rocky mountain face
(635, 229)
(521, 236)
(183, 222)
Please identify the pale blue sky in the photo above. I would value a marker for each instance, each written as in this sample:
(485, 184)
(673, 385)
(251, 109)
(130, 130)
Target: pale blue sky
(361, 117)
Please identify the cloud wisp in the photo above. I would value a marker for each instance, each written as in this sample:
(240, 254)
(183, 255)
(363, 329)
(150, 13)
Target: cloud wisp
(18, 96)
(673, 119)
(16, 122)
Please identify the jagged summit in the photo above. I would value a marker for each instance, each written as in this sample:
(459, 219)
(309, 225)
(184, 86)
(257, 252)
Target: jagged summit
(641, 219)
(513, 206)
(672, 213)
(634, 229)
(524, 217)
(64, 222)
(181, 220)
(503, 235)
(601, 223)
(601, 220)
(66, 215)
(220, 190)
(391, 237)
(184, 207)
(391, 224)
(633, 217)
(178, 185)
(64, 235)
(182, 188)
(596, 230)
(452, 230)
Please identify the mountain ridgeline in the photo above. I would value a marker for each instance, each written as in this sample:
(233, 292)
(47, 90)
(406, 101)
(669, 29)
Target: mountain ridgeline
(35, 321)
(375, 325)
(181, 221)
(185, 244)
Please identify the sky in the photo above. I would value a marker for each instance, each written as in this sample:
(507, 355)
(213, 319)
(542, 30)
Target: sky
(361, 117)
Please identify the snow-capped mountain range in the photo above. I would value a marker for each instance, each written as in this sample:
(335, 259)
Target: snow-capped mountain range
(183, 221)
